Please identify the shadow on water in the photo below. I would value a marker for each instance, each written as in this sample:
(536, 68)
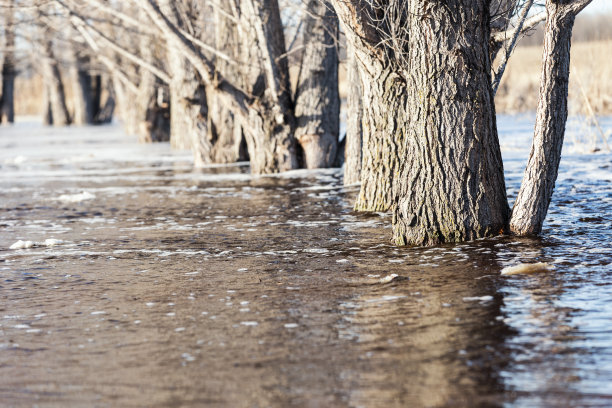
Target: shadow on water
(173, 287)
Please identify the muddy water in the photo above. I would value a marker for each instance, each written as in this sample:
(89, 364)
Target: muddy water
(173, 287)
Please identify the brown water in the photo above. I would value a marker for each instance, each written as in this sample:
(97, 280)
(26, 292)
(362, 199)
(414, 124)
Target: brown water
(174, 287)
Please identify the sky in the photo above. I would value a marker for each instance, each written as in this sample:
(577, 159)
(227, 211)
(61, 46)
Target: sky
(599, 7)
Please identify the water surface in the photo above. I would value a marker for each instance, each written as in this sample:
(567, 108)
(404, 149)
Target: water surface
(181, 287)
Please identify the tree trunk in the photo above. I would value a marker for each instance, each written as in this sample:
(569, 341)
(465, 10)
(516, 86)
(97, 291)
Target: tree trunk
(317, 103)
(55, 86)
(536, 191)
(226, 134)
(269, 128)
(452, 184)
(9, 72)
(354, 116)
(82, 91)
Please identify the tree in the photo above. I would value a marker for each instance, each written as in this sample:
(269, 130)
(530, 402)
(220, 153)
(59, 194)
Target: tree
(317, 101)
(538, 183)
(9, 72)
(354, 116)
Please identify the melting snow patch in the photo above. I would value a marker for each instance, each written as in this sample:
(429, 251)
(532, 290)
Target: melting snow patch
(76, 198)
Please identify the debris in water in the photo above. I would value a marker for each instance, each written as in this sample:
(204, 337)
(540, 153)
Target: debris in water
(22, 245)
(388, 278)
(527, 268)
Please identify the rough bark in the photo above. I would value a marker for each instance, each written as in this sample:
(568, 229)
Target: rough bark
(317, 103)
(9, 72)
(429, 119)
(52, 78)
(225, 129)
(451, 186)
(270, 130)
(354, 116)
(536, 190)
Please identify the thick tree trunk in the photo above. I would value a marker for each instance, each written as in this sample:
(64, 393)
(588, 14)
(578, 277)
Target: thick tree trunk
(536, 191)
(55, 86)
(354, 117)
(452, 185)
(317, 103)
(105, 114)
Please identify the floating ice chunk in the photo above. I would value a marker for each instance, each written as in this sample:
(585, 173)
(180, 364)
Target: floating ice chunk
(52, 242)
(242, 269)
(187, 357)
(316, 250)
(21, 326)
(478, 299)
(179, 329)
(527, 268)
(389, 278)
(150, 304)
(291, 325)
(249, 323)
(22, 245)
(76, 198)
(98, 312)
(342, 260)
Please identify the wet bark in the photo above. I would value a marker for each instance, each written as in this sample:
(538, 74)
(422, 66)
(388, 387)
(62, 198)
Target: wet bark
(317, 103)
(9, 72)
(536, 190)
(54, 84)
(354, 116)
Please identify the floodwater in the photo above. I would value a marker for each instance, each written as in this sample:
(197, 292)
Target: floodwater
(148, 283)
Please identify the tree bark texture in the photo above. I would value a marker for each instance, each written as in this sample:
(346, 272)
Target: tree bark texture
(52, 78)
(9, 72)
(317, 103)
(224, 126)
(538, 183)
(452, 184)
(270, 130)
(354, 116)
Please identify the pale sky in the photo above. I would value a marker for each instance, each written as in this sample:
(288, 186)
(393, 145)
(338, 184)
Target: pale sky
(599, 6)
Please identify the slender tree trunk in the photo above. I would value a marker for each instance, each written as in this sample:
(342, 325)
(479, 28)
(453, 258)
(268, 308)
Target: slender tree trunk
(55, 86)
(9, 72)
(317, 103)
(105, 114)
(354, 117)
(538, 183)
(82, 91)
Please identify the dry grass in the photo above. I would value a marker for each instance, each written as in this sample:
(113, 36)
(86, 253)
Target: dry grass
(590, 68)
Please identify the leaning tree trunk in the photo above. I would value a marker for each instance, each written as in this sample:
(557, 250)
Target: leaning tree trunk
(55, 86)
(451, 186)
(354, 116)
(536, 191)
(7, 108)
(317, 103)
